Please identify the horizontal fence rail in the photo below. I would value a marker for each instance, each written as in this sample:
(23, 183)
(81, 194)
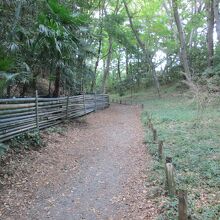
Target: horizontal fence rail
(19, 115)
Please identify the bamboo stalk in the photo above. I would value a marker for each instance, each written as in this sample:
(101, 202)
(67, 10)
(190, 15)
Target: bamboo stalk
(15, 106)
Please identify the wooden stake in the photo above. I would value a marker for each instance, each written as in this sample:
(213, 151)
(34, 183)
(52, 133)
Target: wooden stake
(84, 102)
(103, 101)
(149, 123)
(160, 150)
(182, 205)
(120, 101)
(36, 110)
(169, 159)
(95, 100)
(142, 106)
(67, 106)
(170, 182)
(154, 135)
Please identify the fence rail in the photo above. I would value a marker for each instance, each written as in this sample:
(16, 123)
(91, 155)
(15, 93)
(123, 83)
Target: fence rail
(20, 115)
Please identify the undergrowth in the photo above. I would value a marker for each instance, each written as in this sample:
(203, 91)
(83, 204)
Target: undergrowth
(26, 141)
(194, 147)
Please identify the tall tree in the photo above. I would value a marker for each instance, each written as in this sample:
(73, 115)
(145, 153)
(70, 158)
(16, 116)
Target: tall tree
(110, 47)
(217, 18)
(100, 41)
(210, 29)
(182, 39)
(107, 65)
(147, 55)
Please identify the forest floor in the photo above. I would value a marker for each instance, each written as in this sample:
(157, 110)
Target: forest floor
(96, 168)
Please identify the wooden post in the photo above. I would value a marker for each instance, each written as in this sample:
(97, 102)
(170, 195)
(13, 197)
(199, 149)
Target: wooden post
(170, 182)
(36, 111)
(182, 205)
(142, 106)
(84, 102)
(154, 135)
(160, 150)
(169, 159)
(67, 106)
(95, 100)
(103, 102)
(149, 124)
(120, 101)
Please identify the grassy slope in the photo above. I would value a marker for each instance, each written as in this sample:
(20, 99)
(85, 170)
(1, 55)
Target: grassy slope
(193, 140)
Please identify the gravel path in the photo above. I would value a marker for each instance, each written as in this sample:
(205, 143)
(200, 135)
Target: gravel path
(94, 170)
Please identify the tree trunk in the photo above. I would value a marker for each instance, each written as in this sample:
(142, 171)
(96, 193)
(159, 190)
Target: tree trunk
(147, 56)
(8, 90)
(24, 90)
(57, 82)
(210, 24)
(101, 13)
(119, 67)
(168, 8)
(107, 67)
(126, 62)
(217, 18)
(96, 65)
(184, 57)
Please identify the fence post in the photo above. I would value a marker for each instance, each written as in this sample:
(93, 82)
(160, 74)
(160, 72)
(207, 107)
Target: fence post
(182, 205)
(170, 182)
(95, 102)
(154, 135)
(36, 110)
(103, 102)
(67, 106)
(160, 149)
(84, 102)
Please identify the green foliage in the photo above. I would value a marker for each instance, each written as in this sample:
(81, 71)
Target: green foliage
(198, 59)
(5, 63)
(31, 140)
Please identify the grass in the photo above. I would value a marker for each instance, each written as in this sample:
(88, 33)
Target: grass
(193, 141)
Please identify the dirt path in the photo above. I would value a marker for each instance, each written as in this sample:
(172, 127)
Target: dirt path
(95, 170)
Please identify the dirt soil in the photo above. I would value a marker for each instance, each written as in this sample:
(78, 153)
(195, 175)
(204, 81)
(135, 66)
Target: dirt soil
(96, 169)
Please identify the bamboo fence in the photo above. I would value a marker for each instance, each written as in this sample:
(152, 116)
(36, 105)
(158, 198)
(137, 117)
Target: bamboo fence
(19, 115)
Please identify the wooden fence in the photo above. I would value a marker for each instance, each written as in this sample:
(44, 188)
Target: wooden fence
(19, 115)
